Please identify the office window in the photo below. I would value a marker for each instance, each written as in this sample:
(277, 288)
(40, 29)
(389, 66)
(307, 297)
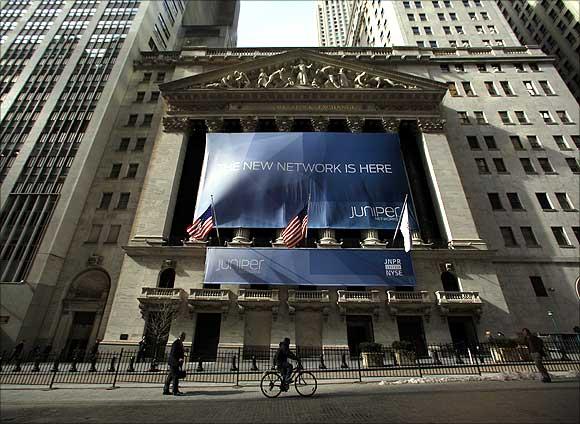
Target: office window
(447, 30)
(115, 170)
(123, 200)
(527, 166)
(472, 16)
(463, 118)
(432, 43)
(506, 87)
(132, 170)
(453, 16)
(576, 140)
(465, 43)
(140, 145)
(491, 90)
(452, 43)
(534, 67)
(447, 4)
(519, 67)
(435, 4)
(477, 3)
(480, 117)
(538, 286)
(479, 29)
(94, 234)
(472, 142)
(529, 237)
(140, 97)
(154, 97)
(544, 201)
(546, 88)
(531, 88)
(132, 120)
(467, 88)
(466, 3)
(521, 117)
(428, 30)
(495, 201)
(490, 142)
(407, 4)
(147, 119)
(124, 144)
(576, 231)
(481, 67)
(546, 165)
(415, 30)
(452, 89)
(516, 142)
(564, 201)
(484, 16)
(146, 76)
(113, 235)
(105, 200)
(561, 142)
(422, 17)
(509, 239)
(459, 68)
(547, 117)
(445, 68)
(420, 44)
(482, 166)
(418, 5)
(534, 142)
(160, 77)
(496, 67)
(515, 202)
(441, 16)
(411, 17)
(563, 115)
(500, 166)
(573, 165)
(459, 30)
(491, 29)
(505, 117)
(560, 236)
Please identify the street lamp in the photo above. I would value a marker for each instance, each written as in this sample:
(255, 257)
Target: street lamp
(551, 315)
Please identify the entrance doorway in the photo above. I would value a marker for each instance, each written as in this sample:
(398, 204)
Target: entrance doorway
(359, 329)
(463, 333)
(411, 330)
(80, 334)
(207, 337)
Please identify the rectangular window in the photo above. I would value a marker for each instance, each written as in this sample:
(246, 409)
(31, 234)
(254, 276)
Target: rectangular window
(94, 234)
(115, 170)
(447, 30)
(473, 143)
(452, 89)
(160, 77)
(500, 166)
(563, 115)
(531, 88)
(521, 117)
(515, 202)
(444, 68)
(546, 165)
(420, 44)
(432, 43)
(534, 142)
(479, 29)
(573, 165)
(544, 201)
(146, 76)
(123, 200)
(505, 117)
(484, 16)
(491, 90)
(564, 202)
(534, 67)
(415, 30)
(547, 88)
(154, 97)
(506, 87)
(418, 5)
(528, 166)
(140, 97)
(495, 201)
(529, 237)
(140, 144)
(496, 67)
(561, 142)
(482, 166)
(459, 68)
(147, 119)
(538, 286)
(560, 236)
(124, 144)
(480, 117)
(546, 117)
(428, 30)
(453, 16)
(472, 16)
(459, 30)
(463, 118)
(516, 142)
(407, 5)
(411, 17)
(490, 142)
(422, 17)
(507, 234)
(441, 16)
(576, 140)
(113, 235)
(132, 120)
(491, 29)
(105, 200)
(467, 88)
(132, 170)
(576, 231)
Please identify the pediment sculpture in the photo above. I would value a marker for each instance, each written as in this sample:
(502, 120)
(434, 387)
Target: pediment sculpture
(300, 74)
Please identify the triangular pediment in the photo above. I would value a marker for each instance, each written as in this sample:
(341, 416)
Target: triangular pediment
(303, 69)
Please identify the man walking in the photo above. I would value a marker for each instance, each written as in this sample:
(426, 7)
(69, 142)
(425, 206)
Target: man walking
(536, 348)
(174, 361)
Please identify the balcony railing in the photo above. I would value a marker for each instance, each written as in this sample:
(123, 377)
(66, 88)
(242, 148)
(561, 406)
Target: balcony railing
(453, 297)
(348, 296)
(209, 295)
(408, 297)
(161, 293)
(308, 296)
(257, 295)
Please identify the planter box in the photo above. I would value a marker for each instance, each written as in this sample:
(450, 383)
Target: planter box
(506, 354)
(372, 359)
(404, 357)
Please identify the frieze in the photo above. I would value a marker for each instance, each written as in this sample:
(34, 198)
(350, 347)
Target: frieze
(391, 125)
(431, 125)
(176, 124)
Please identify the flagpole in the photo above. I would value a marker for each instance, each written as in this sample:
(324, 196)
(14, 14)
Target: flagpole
(400, 218)
(215, 220)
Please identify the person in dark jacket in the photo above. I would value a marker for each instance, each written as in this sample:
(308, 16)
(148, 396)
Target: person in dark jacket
(174, 362)
(17, 351)
(536, 348)
(281, 359)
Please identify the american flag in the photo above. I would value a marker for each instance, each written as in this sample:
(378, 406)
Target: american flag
(295, 231)
(201, 226)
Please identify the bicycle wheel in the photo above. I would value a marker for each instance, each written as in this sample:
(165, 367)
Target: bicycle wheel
(305, 383)
(271, 384)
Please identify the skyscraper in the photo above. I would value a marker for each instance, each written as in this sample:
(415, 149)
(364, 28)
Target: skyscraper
(554, 26)
(333, 17)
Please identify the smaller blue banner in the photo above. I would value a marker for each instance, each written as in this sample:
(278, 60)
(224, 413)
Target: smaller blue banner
(316, 267)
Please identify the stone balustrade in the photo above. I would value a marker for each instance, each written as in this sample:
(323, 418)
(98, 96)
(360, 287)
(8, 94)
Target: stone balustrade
(457, 297)
(408, 297)
(308, 296)
(205, 294)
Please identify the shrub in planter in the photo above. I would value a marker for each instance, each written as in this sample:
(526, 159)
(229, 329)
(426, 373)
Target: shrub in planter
(372, 354)
(404, 352)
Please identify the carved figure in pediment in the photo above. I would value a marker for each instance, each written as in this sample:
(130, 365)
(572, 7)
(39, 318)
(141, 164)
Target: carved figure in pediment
(280, 76)
(302, 77)
(262, 79)
(290, 82)
(242, 80)
(319, 78)
(225, 82)
(361, 80)
(343, 80)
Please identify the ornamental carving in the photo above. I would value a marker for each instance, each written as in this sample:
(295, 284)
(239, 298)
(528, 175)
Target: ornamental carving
(176, 124)
(431, 125)
(390, 125)
(299, 74)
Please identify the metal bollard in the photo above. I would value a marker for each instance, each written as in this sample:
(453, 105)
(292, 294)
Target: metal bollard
(234, 366)
(343, 363)
(322, 365)
(112, 367)
(254, 364)
(199, 366)
(131, 367)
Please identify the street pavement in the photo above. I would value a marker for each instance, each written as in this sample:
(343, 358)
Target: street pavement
(472, 402)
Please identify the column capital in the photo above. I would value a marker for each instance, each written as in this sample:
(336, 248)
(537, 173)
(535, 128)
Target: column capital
(355, 124)
(284, 123)
(320, 123)
(249, 123)
(214, 124)
(431, 125)
(175, 124)
(390, 124)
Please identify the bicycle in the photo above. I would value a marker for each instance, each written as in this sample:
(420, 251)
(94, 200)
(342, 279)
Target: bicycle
(304, 382)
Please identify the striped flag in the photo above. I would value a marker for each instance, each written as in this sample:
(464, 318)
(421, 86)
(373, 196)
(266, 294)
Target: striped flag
(201, 226)
(405, 227)
(295, 231)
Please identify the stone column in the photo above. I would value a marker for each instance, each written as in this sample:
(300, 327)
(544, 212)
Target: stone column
(249, 123)
(447, 191)
(284, 123)
(320, 123)
(371, 240)
(241, 238)
(279, 242)
(327, 238)
(355, 124)
(159, 194)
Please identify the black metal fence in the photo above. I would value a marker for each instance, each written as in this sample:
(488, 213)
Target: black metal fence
(247, 364)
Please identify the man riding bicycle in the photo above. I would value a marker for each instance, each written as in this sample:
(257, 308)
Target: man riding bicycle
(281, 359)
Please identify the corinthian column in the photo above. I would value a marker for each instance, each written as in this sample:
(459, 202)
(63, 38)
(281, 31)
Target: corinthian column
(327, 238)
(241, 238)
(371, 240)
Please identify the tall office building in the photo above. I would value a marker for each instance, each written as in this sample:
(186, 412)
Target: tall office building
(554, 26)
(333, 17)
(67, 72)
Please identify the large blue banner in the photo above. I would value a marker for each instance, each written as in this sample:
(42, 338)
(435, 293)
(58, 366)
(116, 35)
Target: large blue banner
(262, 180)
(316, 267)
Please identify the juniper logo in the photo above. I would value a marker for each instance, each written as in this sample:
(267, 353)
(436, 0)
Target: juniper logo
(393, 268)
(379, 213)
(251, 265)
